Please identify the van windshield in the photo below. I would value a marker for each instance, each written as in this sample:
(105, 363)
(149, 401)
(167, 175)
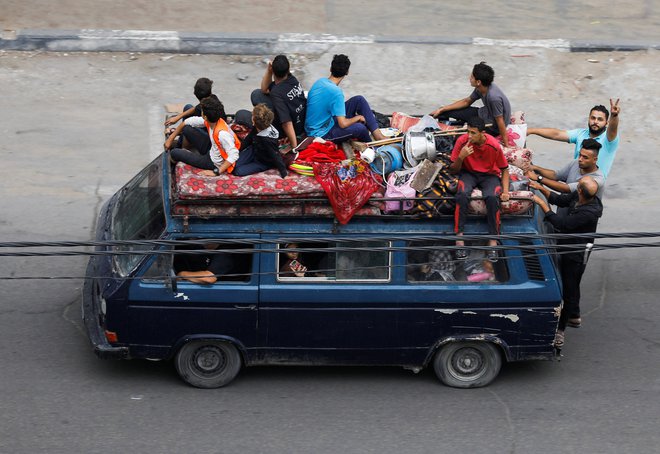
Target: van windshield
(138, 214)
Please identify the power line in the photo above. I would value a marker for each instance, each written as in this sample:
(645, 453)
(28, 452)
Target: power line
(504, 259)
(334, 238)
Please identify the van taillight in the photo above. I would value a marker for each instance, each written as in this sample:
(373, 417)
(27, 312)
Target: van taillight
(111, 336)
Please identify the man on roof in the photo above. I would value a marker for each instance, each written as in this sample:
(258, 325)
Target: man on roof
(602, 126)
(223, 153)
(478, 160)
(329, 117)
(496, 108)
(284, 95)
(218, 154)
(202, 89)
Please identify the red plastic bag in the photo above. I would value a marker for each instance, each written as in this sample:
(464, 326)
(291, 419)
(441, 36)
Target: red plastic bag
(321, 152)
(349, 194)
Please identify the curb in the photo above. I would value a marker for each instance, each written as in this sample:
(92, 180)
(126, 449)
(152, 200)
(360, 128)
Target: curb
(88, 40)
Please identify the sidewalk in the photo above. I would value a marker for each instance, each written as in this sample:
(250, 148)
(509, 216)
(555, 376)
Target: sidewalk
(257, 27)
(264, 43)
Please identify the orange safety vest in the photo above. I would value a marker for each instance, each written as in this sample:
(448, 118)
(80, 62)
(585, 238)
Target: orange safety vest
(221, 125)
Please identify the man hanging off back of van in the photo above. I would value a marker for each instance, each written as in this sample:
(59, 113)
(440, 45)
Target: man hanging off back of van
(478, 159)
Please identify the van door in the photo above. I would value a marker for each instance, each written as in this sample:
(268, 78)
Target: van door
(333, 304)
(165, 309)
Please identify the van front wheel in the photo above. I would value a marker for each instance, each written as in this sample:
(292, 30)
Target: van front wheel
(467, 364)
(208, 364)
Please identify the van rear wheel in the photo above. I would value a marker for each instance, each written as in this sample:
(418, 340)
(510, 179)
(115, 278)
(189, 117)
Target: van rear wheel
(467, 364)
(208, 364)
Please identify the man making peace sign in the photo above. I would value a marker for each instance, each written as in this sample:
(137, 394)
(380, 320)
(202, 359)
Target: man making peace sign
(602, 126)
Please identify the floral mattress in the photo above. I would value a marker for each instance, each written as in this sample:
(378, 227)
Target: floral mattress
(192, 189)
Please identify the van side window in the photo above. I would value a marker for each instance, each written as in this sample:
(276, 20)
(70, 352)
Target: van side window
(214, 263)
(429, 261)
(362, 262)
(334, 261)
(159, 270)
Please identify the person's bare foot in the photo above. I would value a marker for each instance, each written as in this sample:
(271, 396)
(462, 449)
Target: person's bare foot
(378, 135)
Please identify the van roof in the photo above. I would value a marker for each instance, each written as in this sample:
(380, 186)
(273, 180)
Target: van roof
(192, 207)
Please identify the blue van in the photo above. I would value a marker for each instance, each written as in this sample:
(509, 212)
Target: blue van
(298, 289)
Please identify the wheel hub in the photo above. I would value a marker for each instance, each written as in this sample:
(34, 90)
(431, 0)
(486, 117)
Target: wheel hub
(467, 362)
(208, 360)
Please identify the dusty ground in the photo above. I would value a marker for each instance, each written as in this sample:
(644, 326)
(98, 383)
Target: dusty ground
(99, 115)
(78, 126)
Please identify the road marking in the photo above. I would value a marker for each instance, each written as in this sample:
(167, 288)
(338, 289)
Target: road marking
(324, 38)
(133, 35)
(560, 44)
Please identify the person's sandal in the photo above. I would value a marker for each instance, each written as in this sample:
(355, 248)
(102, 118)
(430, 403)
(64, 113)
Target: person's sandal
(574, 322)
(492, 256)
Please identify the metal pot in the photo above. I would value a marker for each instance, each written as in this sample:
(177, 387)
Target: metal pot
(418, 146)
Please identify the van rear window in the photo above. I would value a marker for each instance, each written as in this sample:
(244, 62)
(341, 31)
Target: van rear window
(340, 262)
(431, 261)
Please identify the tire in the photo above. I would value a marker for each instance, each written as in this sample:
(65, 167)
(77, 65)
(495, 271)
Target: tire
(208, 364)
(467, 364)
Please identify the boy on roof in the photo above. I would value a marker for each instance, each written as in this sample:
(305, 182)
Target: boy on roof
(478, 160)
(329, 117)
(283, 94)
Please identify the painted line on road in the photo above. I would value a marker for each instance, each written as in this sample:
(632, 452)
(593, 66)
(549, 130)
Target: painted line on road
(132, 35)
(324, 39)
(560, 44)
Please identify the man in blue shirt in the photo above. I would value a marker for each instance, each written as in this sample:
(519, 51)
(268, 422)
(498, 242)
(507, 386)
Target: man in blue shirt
(329, 117)
(602, 126)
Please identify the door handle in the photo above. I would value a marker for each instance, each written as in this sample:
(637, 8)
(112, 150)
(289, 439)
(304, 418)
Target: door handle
(250, 307)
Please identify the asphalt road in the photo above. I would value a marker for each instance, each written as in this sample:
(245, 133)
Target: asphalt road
(622, 21)
(77, 126)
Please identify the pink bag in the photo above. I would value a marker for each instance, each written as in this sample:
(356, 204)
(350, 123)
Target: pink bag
(403, 191)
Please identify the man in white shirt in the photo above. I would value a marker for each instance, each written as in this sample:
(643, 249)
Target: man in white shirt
(217, 156)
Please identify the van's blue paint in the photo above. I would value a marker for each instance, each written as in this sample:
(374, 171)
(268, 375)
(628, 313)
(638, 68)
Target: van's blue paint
(393, 322)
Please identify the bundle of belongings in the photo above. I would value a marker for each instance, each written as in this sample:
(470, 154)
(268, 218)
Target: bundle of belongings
(438, 265)
(410, 171)
(432, 184)
(348, 183)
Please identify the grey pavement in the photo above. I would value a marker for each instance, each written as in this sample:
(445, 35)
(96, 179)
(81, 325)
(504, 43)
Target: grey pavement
(78, 125)
(257, 27)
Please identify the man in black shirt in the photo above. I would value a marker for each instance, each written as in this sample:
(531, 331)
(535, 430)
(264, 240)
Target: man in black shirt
(584, 210)
(202, 268)
(283, 94)
(203, 88)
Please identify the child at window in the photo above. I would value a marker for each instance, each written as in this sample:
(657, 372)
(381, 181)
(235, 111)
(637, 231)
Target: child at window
(292, 266)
